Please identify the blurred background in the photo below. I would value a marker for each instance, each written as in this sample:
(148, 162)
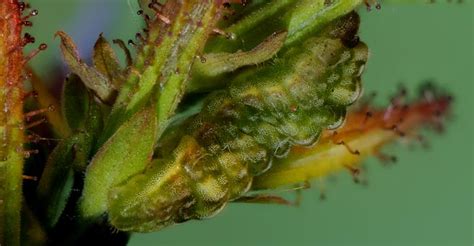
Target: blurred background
(425, 199)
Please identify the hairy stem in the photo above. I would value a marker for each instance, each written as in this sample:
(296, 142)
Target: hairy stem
(162, 67)
(11, 120)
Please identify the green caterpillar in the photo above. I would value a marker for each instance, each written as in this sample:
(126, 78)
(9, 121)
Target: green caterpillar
(305, 90)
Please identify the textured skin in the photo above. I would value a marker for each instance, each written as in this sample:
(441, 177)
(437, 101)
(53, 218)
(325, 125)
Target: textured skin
(258, 117)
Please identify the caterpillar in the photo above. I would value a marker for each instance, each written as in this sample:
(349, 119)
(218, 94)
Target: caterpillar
(242, 128)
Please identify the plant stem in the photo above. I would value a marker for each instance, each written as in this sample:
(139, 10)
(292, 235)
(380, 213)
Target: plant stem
(163, 65)
(11, 121)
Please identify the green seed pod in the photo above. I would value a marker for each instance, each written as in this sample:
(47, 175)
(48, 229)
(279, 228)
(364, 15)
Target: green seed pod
(239, 131)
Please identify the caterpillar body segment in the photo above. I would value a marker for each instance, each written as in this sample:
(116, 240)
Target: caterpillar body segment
(194, 189)
(240, 129)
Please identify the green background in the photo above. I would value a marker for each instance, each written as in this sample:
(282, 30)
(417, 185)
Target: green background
(426, 199)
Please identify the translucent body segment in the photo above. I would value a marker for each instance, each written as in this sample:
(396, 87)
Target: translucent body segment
(240, 131)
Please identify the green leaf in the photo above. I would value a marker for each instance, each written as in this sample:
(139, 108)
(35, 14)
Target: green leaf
(56, 181)
(301, 18)
(74, 102)
(254, 27)
(309, 16)
(93, 79)
(84, 116)
(106, 62)
(126, 153)
(88, 137)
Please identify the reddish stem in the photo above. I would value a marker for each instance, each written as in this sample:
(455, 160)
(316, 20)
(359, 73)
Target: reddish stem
(11, 121)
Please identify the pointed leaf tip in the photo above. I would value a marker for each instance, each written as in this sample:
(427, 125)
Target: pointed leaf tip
(92, 78)
(106, 62)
